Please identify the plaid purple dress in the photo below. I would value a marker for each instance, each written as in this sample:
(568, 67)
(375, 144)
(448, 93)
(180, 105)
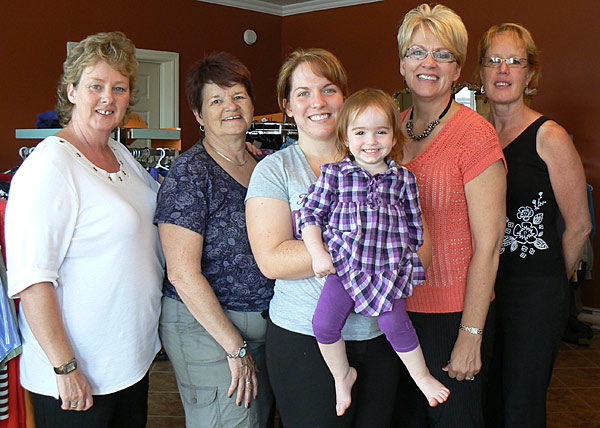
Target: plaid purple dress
(372, 226)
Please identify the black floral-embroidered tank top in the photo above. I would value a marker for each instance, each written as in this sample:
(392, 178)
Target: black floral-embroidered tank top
(532, 242)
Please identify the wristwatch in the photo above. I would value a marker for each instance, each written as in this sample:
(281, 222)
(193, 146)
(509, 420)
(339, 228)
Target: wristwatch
(472, 330)
(241, 352)
(66, 368)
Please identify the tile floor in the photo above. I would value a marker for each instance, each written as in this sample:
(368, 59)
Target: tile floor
(573, 397)
(574, 393)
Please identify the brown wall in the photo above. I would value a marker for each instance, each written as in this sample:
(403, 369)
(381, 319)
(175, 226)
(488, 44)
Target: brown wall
(34, 40)
(364, 38)
(34, 36)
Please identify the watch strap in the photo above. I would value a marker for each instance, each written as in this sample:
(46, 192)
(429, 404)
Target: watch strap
(239, 353)
(472, 330)
(66, 368)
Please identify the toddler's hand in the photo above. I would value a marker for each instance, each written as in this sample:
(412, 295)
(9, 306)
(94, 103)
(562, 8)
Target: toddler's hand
(323, 265)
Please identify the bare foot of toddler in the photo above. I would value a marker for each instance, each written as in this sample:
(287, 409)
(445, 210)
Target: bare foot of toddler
(343, 391)
(435, 392)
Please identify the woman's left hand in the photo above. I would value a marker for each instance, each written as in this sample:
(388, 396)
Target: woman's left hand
(74, 391)
(244, 379)
(465, 359)
(486, 196)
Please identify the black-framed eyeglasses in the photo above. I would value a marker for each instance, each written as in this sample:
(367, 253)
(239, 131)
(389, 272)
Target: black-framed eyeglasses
(495, 62)
(439, 55)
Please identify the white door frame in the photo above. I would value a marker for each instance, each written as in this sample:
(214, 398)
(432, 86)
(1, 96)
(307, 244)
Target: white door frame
(169, 83)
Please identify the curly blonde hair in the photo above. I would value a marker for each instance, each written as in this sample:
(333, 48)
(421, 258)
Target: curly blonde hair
(115, 49)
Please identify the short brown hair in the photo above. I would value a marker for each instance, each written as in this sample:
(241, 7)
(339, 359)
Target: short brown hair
(115, 49)
(519, 33)
(357, 103)
(222, 69)
(323, 63)
(443, 22)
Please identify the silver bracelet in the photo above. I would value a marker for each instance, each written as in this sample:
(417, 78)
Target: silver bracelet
(472, 330)
(241, 352)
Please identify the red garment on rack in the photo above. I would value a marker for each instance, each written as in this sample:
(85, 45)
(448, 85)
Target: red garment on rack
(16, 400)
(2, 244)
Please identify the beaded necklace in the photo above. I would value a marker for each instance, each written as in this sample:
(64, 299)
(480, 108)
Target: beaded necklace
(431, 127)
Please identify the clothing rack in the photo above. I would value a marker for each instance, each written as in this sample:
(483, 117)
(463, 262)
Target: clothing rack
(272, 135)
(147, 156)
(25, 151)
(150, 157)
(273, 128)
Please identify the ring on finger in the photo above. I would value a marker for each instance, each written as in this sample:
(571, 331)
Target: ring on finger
(73, 405)
(248, 382)
(470, 378)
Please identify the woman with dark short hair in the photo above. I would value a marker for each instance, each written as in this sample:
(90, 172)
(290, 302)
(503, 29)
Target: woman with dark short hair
(212, 326)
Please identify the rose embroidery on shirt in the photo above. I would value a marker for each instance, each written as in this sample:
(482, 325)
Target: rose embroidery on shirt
(526, 235)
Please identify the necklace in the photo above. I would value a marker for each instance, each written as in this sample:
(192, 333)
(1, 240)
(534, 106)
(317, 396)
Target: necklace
(431, 127)
(226, 158)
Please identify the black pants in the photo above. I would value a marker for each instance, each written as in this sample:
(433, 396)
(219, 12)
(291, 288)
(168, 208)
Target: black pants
(532, 316)
(304, 388)
(127, 408)
(464, 408)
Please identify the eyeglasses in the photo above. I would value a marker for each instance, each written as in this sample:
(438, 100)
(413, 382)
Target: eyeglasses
(439, 55)
(495, 62)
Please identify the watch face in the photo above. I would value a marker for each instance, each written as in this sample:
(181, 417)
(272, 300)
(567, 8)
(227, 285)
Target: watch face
(242, 352)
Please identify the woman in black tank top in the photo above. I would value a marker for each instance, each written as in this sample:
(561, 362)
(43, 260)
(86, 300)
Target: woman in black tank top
(545, 182)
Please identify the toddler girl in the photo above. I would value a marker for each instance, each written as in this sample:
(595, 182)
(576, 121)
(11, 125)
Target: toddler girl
(367, 210)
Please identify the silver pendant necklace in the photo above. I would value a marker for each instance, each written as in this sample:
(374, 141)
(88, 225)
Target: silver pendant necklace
(227, 158)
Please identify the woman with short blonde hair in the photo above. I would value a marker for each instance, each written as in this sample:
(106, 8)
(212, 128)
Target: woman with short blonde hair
(458, 161)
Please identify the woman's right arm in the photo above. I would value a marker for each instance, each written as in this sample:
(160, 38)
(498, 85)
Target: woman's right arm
(270, 230)
(41, 309)
(183, 253)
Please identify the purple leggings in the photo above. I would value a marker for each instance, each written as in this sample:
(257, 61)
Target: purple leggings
(335, 305)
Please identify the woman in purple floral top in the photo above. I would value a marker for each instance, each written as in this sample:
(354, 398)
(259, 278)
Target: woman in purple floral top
(211, 325)
(367, 210)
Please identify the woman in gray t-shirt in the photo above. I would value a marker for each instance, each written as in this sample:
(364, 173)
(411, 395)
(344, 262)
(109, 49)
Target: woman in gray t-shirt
(311, 88)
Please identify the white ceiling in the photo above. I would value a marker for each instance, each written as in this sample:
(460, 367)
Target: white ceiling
(287, 7)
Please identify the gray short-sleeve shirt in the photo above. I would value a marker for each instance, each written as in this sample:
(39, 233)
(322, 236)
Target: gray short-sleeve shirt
(286, 175)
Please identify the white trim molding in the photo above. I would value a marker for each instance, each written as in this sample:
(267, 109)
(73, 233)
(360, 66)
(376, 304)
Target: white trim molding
(169, 83)
(293, 8)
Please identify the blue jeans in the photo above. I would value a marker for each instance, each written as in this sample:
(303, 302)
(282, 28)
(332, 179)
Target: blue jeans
(202, 372)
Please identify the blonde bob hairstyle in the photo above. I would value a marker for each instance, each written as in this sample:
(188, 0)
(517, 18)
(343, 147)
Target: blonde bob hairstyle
(443, 22)
(357, 103)
(519, 34)
(322, 62)
(115, 49)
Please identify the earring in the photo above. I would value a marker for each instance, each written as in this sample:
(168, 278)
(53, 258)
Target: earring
(404, 79)
(482, 90)
(528, 91)
(202, 128)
